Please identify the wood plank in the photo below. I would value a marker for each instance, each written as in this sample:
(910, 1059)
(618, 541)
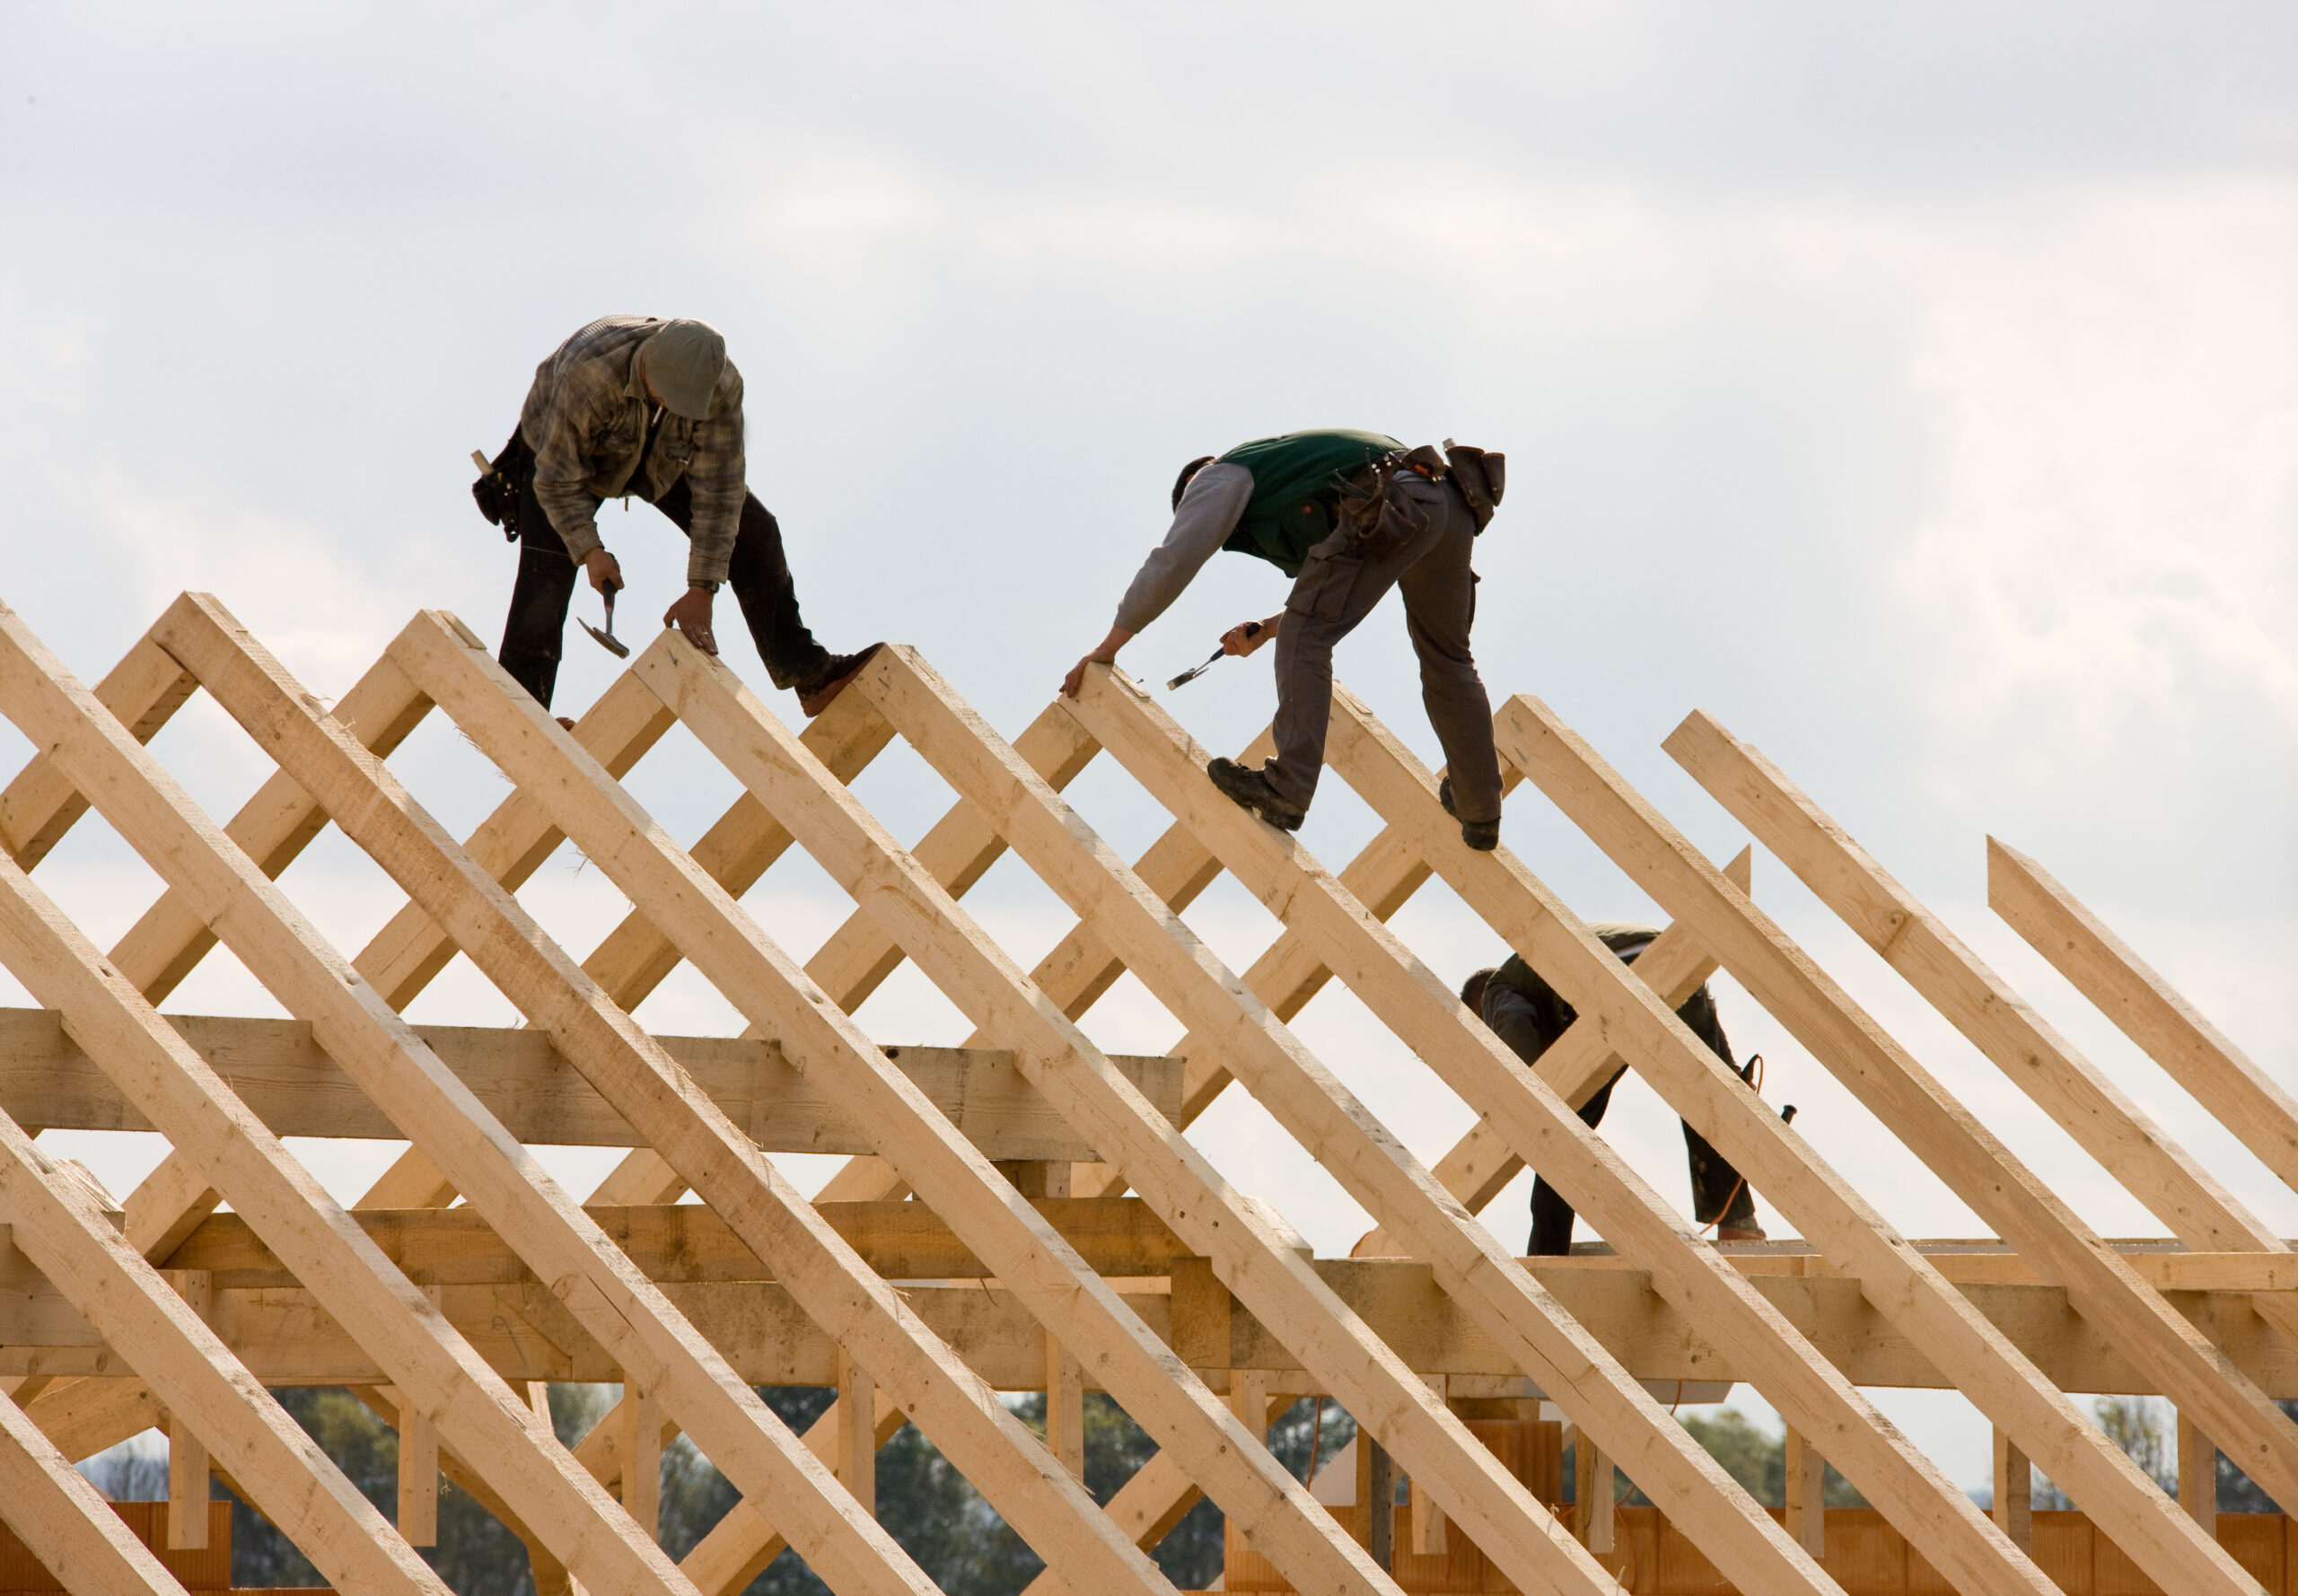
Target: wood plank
(418, 1466)
(268, 825)
(382, 710)
(725, 1417)
(2015, 1491)
(144, 690)
(188, 1467)
(64, 1521)
(2077, 1095)
(1513, 1530)
(736, 851)
(857, 1433)
(277, 1199)
(283, 1471)
(2197, 1476)
(286, 1338)
(1595, 1493)
(84, 1416)
(1807, 1495)
(497, 1174)
(281, 1073)
(956, 851)
(1351, 1144)
(1956, 1147)
(641, 1468)
(690, 1242)
(731, 952)
(2259, 1111)
(1415, 1004)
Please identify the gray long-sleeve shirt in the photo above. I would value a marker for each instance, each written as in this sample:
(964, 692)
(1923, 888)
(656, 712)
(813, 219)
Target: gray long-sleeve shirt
(1209, 511)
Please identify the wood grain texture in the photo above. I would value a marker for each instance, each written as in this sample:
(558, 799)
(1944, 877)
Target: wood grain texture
(1350, 1143)
(1961, 1152)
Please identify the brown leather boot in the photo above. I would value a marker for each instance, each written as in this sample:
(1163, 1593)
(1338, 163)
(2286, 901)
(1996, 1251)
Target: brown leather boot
(814, 697)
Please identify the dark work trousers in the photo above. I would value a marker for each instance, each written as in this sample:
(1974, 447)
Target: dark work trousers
(1336, 590)
(1530, 1024)
(759, 574)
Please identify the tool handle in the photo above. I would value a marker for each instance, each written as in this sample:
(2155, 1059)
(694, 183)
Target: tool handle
(479, 459)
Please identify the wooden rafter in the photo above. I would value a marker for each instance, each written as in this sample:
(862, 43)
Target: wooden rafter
(688, 1306)
(635, 1074)
(1915, 1108)
(65, 1522)
(2258, 1110)
(1351, 1143)
(722, 941)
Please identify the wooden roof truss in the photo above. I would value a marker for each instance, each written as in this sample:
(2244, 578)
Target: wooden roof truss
(444, 1319)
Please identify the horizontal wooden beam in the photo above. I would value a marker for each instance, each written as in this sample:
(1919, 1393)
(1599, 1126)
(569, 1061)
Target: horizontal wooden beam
(688, 1243)
(297, 1090)
(286, 1338)
(1121, 1237)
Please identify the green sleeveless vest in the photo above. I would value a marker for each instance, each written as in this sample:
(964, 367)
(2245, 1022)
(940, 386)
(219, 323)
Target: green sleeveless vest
(1295, 479)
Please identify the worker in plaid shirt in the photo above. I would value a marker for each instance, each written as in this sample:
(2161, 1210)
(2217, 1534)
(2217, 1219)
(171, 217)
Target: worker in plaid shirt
(638, 406)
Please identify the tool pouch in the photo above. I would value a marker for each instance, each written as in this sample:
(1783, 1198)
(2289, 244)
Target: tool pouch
(497, 493)
(1375, 518)
(1481, 476)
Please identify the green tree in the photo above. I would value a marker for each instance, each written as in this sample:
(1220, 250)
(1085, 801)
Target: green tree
(476, 1555)
(2145, 1428)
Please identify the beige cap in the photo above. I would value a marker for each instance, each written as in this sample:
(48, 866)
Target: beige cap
(684, 362)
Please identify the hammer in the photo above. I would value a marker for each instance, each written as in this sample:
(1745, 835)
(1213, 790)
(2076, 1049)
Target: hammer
(1252, 630)
(607, 639)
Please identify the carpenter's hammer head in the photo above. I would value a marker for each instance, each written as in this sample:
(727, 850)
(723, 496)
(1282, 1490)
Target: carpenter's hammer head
(607, 639)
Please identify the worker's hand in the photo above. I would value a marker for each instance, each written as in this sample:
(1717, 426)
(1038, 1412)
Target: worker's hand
(1106, 654)
(692, 615)
(1103, 655)
(1246, 637)
(605, 571)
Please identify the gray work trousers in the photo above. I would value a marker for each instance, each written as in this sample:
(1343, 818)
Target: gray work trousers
(1336, 590)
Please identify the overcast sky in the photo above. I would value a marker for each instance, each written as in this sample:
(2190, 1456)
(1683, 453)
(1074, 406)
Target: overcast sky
(1915, 388)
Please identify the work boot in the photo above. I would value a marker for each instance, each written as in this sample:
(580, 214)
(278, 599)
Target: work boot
(1733, 1232)
(1483, 836)
(1250, 788)
(815, 694)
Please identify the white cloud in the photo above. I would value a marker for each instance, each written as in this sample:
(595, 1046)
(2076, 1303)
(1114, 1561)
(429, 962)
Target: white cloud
(2118, 540)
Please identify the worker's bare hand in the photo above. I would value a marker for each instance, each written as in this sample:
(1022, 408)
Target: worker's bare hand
(1246, 637)
(1105, 654)
(605, 571)
(692, 615)
(1076, 677)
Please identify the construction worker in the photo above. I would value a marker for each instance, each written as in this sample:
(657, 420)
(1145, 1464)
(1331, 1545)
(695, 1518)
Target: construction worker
(1528, 1014)
(1346, 515)
(636, 407)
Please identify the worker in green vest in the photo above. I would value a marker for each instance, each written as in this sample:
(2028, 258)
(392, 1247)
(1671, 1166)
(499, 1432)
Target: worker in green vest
(1346, 515)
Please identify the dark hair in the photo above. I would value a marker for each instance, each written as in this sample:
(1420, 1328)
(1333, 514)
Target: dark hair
(1472, 991)
(1181, 483)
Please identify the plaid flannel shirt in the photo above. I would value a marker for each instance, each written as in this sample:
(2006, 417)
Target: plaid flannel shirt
(586, 418)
